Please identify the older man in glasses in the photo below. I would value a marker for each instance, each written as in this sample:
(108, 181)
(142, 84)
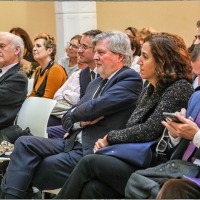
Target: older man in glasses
(107, 105)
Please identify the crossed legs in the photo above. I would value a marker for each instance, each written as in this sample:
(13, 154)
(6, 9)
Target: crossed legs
(97, 176)
(39, 162)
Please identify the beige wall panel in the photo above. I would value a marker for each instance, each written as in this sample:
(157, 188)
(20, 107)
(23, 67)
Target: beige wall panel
(177, 17)
(34, 17)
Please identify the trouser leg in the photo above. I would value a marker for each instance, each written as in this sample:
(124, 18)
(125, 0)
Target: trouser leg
(179, 189)
(106, 169)
(55, 132)
(28, 154)
(54, 121)
(54, 170)
(96, 189)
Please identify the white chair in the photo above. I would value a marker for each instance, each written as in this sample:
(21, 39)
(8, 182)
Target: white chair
(34, 114)
(56, 191)
(30, 86)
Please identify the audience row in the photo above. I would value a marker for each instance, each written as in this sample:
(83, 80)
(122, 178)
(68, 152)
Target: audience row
(102, 101)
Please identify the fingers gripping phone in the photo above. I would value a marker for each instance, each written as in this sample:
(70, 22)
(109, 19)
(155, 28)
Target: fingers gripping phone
(172, 116)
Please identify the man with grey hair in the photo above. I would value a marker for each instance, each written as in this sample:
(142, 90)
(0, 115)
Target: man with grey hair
(107, 105)
(13, 80)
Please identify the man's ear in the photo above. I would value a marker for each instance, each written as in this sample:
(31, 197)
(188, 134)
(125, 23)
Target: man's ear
(120, 58)
(17, 50)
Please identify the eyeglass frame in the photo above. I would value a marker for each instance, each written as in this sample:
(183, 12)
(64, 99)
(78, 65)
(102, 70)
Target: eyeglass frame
(165, 135)
(74, 47)
(84, 47)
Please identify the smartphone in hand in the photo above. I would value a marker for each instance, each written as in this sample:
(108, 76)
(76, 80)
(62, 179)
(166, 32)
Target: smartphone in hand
(172, 116)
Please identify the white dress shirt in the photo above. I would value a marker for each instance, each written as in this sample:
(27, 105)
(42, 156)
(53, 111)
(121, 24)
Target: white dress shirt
(70, 90)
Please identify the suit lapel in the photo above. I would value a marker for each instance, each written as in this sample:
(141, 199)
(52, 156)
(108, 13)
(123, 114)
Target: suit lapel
(111, 81)
(9, 72)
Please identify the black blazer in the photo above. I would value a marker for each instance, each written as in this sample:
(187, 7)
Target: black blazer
(13, 92)
(85, 79)
(116, 104)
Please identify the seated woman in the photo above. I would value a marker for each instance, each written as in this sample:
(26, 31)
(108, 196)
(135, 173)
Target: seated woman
(165, 63)
(131, 32)
(144, 32)
(28, 62)
(70, 62)
(135, 47)
(67, 95)
(49, 77)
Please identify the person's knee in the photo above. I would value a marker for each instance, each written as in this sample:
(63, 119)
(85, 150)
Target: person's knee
(22, 140)
(88, 160)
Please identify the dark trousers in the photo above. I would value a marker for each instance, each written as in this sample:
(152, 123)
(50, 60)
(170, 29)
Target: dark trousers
(55, 132)
(97, 177)
(39, 162)
(54, 121)
(179, 189)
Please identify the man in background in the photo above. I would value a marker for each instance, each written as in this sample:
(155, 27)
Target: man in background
(13, 80)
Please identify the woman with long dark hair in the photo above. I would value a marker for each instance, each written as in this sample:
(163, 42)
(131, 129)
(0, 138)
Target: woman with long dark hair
(28, 62)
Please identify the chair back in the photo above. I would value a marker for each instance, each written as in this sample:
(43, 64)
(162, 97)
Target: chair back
(30, 86)
(34, 114)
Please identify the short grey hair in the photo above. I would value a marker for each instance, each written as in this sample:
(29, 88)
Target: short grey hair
(119, 43)
(16, 41)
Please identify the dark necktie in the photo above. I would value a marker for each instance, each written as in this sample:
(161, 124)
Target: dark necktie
(93, 75)
(99, 90)
(0, 70)
(191, 146)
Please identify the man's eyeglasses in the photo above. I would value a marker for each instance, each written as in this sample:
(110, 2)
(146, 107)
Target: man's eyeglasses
(84, 47)
(162, 144)
(73, 46)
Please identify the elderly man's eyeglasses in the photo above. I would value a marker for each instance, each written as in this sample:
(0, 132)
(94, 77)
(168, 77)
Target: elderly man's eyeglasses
(73, 46)
(162, 144)
(84, 47)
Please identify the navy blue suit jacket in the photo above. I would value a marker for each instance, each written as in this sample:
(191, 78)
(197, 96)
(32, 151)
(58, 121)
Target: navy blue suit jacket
(85, 79)
(116, 103)
(193, 110)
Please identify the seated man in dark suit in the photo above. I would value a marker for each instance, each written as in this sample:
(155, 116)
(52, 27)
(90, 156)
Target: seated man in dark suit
(107, 105)
(190, 132)
(88, 74)
(86, 54)
(13, 80)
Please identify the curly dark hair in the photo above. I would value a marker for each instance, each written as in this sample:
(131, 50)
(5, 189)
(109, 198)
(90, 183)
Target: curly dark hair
(172, 58)
(50, 42)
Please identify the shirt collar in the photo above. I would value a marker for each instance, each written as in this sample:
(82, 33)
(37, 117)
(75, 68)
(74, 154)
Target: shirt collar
(5, 69)
(113, 74)
(94, 70)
